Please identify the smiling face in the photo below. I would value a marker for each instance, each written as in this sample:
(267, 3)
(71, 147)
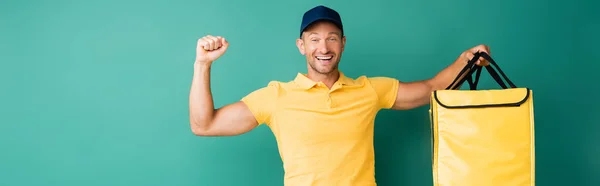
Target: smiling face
(322, 43)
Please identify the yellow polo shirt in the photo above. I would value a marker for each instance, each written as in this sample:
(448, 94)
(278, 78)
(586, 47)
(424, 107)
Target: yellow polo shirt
(325, 137)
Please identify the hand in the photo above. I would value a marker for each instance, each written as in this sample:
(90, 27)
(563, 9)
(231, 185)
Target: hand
(469, 54)
(210, 48)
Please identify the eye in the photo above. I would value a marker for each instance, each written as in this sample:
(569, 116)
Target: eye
(333, 39)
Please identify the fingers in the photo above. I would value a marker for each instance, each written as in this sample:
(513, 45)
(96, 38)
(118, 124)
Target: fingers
(470, 55)
(204, 43)
(224, 42)
(213, 43)
(210, 42)
(479, 48)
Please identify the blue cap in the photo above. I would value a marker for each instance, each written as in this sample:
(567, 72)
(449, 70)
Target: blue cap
(320, 13)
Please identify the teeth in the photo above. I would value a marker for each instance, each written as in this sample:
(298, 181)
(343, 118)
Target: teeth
(324, 57)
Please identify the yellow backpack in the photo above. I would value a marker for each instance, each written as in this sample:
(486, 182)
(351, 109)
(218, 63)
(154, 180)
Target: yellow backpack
(483, 137)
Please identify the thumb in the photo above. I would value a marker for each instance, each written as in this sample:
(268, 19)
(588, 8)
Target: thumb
(224, 43)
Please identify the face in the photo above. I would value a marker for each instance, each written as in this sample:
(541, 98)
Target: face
(322, 44)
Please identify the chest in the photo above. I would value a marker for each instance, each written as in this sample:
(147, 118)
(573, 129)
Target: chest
(324, 115)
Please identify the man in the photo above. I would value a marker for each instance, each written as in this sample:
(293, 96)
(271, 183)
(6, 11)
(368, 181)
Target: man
(322, 120)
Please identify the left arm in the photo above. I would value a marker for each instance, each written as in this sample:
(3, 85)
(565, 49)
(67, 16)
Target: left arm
(416, 94)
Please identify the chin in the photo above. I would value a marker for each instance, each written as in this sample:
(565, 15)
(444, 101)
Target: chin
(321, 68)
(326, 70)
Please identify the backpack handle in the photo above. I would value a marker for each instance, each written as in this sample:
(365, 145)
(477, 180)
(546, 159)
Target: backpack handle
(471, 68)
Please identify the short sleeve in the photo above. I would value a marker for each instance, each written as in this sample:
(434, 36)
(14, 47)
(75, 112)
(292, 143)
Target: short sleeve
(386, 89)
(261, 102)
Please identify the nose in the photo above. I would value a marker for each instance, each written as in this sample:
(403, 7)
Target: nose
(323, 48)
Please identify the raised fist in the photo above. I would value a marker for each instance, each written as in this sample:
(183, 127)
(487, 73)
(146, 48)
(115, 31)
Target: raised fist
(210, 48)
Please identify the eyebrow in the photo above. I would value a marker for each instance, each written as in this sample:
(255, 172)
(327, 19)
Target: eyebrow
(335, 33)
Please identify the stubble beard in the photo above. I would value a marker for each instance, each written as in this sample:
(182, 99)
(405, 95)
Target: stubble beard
(324, 70)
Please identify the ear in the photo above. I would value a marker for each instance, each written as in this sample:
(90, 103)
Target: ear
(300, 45)
(343, 42)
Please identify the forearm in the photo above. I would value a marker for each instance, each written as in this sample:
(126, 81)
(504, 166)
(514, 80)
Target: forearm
(418, 93)
(445, 77)
(201, 100)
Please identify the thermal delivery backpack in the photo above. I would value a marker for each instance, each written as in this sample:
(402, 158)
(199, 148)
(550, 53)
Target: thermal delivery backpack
(482, 137)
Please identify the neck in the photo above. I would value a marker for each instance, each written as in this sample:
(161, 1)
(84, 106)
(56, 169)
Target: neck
(328, 79)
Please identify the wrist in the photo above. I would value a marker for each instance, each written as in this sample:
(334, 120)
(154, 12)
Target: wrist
(202, 65)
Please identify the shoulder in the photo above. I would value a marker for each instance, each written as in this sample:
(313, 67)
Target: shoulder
(381, 79)
(273, 89)
(279, 86)
(368, 79)
(385, 88)
(270, 89)
(377, 81)
(371, 81)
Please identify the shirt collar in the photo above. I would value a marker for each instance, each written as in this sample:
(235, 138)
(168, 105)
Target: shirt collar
(306, 83)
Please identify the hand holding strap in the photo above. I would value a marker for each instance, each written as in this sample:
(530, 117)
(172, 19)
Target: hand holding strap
(471, 67)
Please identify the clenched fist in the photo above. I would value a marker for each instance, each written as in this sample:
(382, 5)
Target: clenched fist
(469, 54)
(210, 48)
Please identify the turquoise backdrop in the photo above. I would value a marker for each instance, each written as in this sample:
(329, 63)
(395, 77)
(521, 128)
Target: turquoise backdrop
(96, 92)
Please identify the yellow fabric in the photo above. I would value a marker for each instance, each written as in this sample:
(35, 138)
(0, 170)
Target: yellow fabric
(483, 145)
(325, 137)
